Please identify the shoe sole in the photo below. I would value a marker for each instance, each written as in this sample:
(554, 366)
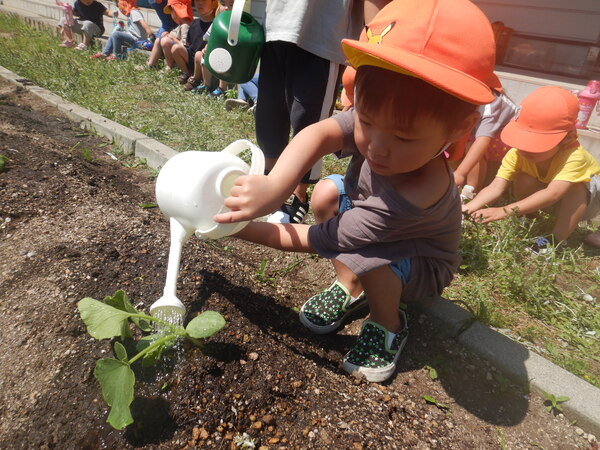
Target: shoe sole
(325, 329)
(376, 375)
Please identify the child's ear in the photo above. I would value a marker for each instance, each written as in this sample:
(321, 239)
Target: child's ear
(464, 127)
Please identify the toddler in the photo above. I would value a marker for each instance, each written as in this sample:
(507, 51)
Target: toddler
(547, 167)
(391, 226)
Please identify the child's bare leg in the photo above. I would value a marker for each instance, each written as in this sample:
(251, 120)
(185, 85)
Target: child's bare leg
(180, 56)
(324, 204)
(198, 66)
(166, 45)
(155, 55)
(476, 177)
(207, 77)
(570, 211)
(383, 290)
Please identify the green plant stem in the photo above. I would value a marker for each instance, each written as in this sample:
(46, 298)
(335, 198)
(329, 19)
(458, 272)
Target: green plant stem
(155, 344)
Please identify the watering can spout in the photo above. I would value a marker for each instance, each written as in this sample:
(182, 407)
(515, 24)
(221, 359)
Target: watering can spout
(168, 307)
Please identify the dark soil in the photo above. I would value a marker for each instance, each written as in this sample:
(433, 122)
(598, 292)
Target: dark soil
(71, 226)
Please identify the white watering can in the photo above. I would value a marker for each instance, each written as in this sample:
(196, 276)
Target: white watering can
(191, 189)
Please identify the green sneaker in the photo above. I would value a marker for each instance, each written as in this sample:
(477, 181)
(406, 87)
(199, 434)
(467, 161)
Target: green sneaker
(326, 311)
(376, 351)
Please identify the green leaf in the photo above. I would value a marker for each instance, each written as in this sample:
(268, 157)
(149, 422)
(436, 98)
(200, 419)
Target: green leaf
(205, 325)
(562, 398)
(148, 205)
(2, 163)
(102, 320)
(117, 380)
(121, 301)
(430, 399)
(151, 358)
(120, 351)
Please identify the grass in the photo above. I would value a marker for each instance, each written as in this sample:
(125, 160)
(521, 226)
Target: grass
(538, 302)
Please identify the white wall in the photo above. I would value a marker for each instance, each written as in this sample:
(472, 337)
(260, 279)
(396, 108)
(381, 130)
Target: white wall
(573, 19)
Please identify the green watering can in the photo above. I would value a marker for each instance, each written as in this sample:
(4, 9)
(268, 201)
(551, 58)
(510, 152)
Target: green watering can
(234, 46)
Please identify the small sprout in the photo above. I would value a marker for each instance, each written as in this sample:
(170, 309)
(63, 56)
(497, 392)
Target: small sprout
(553, 402)
(432, 372)
(148, 205)
(433, 401)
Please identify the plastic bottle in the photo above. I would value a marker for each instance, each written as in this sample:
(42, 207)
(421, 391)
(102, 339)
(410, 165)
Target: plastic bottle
(587, 100)
(467, 193)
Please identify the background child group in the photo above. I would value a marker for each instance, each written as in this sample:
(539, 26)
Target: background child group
(417, 92)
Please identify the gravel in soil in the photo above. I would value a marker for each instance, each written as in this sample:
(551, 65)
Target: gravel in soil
(71, 226)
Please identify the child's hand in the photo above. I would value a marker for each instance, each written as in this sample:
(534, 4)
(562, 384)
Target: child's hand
(459, 179)
(487, 215)
(252, 196)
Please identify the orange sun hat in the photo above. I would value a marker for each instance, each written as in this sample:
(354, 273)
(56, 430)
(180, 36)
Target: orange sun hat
(125, 6)
(545, 118)
(182, 9)
(447, 43)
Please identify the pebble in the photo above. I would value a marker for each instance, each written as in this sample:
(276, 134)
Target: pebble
(253, 356)
(579, 431)
(591, 438)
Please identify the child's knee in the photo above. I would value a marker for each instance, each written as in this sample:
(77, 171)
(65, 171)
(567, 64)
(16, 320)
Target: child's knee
(324, 199)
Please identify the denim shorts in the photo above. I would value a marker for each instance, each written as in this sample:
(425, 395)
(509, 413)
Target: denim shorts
(402, 268)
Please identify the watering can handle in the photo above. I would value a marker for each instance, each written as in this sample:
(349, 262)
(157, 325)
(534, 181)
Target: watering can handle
(234, 22)
(257, 166)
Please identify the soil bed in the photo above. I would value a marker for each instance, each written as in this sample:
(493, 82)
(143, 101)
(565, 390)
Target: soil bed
(71, 226)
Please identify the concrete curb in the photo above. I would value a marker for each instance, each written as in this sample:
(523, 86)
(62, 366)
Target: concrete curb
(128, 140)
(521, 365)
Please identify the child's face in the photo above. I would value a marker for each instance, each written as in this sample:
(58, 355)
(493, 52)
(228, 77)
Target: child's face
(227, 4)
(87, 2)
(205, 7)
(390, 150)
(540, 157)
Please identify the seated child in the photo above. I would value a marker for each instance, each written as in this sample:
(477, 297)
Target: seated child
(247, 95)
(167, 25)
(136, 29)
(188, 57)
(486, 150)
(224, 5)
(181, 11)
(547, 167)
(392, 225)
(88, 22)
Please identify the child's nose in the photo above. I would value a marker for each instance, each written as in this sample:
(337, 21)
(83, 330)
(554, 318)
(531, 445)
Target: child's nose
(378, 145)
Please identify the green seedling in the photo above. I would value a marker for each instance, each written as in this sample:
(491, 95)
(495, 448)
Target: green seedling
(87, 154)
(244, 441)
(261, 273)
(432, 401)
(112, 318)
(2, 163)
(148, 205)
(502, 381)
(431, 371)
(554, 401)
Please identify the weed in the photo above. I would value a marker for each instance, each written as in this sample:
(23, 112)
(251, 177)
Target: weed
(433, 401)
(86, 153)
(244, 441)
(553, 402)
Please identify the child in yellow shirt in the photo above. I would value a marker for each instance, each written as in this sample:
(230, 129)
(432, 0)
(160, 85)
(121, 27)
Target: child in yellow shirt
(547, 167)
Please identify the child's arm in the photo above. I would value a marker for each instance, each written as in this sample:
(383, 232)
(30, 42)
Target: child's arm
(473, 156)
(487, 195)
(535, 202)
(107, 12)
(287, 237)
(257, 195)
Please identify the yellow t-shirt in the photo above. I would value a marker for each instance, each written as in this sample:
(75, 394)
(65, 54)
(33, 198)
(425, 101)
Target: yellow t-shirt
(575, 165)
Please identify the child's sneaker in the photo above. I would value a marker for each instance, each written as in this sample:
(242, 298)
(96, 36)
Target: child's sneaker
(544, 246)
(292, 211)
(183, 77)
(191, 83)
(110, 57)
(218, 92)
(199, 89)
(234, 103)
(98, 55)
(326, 311)
(67, 44)
(81, 47)
(376, 351)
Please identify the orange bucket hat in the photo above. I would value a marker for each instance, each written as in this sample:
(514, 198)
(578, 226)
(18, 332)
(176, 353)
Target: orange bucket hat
(447, 43)
(545, 118)
(125, 6)
(182, 9)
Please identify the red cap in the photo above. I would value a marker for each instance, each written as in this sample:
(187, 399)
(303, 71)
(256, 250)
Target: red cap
(125, 6)
(545, 118)
(447, 43)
